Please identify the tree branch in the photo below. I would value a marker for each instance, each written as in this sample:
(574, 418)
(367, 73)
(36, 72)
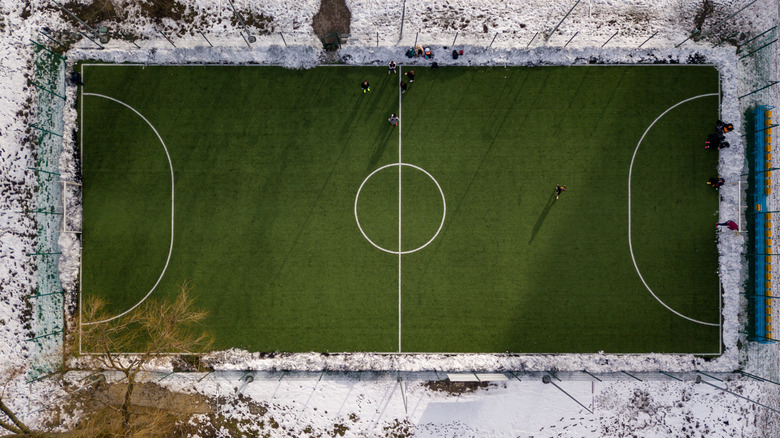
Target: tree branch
(9, 427)
(19, 424)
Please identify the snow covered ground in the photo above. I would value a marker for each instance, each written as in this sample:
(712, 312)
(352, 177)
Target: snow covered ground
(515, 32)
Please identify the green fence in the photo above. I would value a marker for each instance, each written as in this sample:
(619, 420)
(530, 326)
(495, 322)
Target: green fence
(47, 298)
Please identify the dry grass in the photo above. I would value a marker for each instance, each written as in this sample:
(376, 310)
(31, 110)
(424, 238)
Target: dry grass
(155, 410)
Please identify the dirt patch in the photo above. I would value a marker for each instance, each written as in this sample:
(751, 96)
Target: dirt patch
(705, 11)
(398, 429)
(333, 17)
(263, 23)
(95, 13)
(155, 411)
(454, 387)
(450, 18)
(156, 10)
(154, 396)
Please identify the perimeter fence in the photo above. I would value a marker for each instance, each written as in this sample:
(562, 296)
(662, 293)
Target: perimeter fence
(445, 29)
(227, 385)
(758, 91)
(48, 304)
(437, 38)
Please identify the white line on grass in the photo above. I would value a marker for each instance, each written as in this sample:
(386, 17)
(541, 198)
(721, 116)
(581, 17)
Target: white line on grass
(630, 246)
(81, 150)
(443, 202)
(400, 249)
(170, 249)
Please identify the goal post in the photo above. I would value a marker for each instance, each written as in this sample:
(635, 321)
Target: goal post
(71, 207)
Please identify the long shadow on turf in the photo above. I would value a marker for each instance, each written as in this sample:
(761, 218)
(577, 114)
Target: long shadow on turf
(379, 147)
(542, 217)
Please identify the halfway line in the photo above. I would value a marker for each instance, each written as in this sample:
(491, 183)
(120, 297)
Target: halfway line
(400, 249)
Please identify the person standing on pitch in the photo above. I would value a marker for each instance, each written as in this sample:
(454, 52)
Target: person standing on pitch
(716, 182)
(410, 75)
(365, 86)
(393, 120)
(391, 67)
(559, 190)
(403, 87)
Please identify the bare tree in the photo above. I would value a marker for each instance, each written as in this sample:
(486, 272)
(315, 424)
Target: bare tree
(8, 420)
(153, 330)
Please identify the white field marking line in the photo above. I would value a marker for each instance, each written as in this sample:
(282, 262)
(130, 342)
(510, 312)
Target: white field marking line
(720, 317)
(170, 249)
(739, 205)
(443, 201)
(630, 246)
(441, 353)
(205, 64)
(81, 147)
(400, 248)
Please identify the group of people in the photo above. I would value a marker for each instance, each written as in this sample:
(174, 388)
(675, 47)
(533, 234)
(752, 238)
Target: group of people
(391, 68)
(717, 140)
(418, 51)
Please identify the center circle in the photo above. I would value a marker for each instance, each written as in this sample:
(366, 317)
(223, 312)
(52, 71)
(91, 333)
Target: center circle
(443, 201)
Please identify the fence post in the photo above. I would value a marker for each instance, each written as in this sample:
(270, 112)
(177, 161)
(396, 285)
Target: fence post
(169, 40)
(74, 17)
(754, 51)
(629, 375)
(245, 40)
(44, 130)
(283, 40)
(88, 37)
(757, 90)
(667, 374)
(572, 37)
(546, 379)
(403, 15)
(249, 37)
(693, 34)
(610, 39)
(42, 47)
(753, 376)
(700, 380)
(711, 377)
(47, 36)
(709, 31)
(532, 40)
(415, 38)
(645, 41)
(739, 46)
(48, 90)
(456, 38)
(494, 38)
(127, 38)
(591, 375)
(204, 37)
(562, 19)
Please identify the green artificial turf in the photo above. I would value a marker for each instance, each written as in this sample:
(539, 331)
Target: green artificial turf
(267, 164)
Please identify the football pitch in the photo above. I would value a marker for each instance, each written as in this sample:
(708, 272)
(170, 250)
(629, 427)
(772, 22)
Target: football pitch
(305, 221)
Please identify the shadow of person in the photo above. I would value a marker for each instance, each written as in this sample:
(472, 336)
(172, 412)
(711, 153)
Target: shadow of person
(380, 145)
(542, 217)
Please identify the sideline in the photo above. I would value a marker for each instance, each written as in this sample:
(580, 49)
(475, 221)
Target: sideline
(630, 246)
(170, 249)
